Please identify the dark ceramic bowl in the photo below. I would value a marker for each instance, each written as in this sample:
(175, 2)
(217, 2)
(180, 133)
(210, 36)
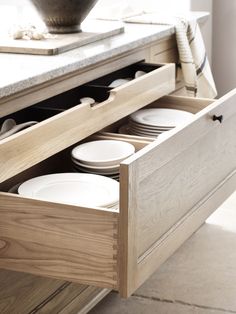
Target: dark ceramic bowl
(63, 16)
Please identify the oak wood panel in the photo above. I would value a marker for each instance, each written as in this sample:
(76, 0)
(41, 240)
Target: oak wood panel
(59, 299)
(27, 294)
(168, 56)
(167, 178)
(56, 240)
(28, 147)
(174, 188)
(193, 105)
(73, 299)
(180, 91)
(85, 301)
(163, 45)
(20, 293)
(180, 232)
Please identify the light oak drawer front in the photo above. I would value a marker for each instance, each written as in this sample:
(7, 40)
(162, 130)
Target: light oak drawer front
(30, 146)
(167, 190)
(170, 187)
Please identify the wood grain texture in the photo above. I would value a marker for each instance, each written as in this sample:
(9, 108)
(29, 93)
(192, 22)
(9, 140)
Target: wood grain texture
(26, 294)
(60, 241)
(167, 180)
(73, 299)
(85, 301)
(47, 138)
(177, 235)
(20, 293)
(163, 45)
(180, 102)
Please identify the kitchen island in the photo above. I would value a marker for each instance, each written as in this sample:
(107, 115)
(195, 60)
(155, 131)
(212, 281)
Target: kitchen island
(27, 80)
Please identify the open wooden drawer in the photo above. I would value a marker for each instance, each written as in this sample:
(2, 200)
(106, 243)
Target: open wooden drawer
(167, 190)
(28, 147)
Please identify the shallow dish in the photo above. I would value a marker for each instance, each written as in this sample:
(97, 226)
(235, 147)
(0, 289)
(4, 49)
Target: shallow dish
(80, 189)
(103, 152)
(149, 127)
(161, 117)
(95, 171)
(93, 167)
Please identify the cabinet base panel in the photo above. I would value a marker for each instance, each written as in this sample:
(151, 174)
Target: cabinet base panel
(27, 294)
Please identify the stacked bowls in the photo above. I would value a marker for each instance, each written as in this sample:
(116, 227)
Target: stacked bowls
(102, 157)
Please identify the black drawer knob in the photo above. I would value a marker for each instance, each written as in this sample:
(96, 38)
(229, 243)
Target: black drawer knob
(218, 118)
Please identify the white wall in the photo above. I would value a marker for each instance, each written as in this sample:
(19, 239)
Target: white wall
(224, 45)
(121, 8)
(206, 28)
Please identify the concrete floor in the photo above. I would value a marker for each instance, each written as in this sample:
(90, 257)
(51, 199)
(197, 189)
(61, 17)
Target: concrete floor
(200, 278)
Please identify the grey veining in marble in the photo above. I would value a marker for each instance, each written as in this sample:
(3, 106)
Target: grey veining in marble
(19, 72)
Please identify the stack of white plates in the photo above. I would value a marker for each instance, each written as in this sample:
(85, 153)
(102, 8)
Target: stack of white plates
(155, 121)
(101, 157)
(79, 189)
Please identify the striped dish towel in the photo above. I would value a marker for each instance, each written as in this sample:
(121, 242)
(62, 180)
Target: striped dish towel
(196, 70)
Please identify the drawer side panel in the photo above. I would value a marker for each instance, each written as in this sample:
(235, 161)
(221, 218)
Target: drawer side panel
(59, 241)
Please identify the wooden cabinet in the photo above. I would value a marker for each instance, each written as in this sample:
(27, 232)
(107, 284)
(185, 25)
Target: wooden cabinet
(167, 188)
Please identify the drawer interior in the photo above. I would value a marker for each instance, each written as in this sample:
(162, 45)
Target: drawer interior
(61, 162)
(58, 240)
(97, 89)
(57, 104)
(127, 72)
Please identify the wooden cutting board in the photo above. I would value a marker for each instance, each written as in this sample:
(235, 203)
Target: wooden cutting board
(92, 30)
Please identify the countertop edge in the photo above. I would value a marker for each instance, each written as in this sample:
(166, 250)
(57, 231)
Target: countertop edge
(74, 60)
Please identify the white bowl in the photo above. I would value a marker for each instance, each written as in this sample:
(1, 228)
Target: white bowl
(103, 152)
(119, 82)
(161, 117)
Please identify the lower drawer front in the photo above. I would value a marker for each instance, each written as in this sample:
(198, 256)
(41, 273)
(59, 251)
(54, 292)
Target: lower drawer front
(167, 190)
(170, 187)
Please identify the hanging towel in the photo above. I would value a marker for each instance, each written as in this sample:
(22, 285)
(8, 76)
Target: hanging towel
(195, 66)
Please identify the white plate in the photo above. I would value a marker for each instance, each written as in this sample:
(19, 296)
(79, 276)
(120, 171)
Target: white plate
(114, 168)
(162, 117)
(114, 176)
(143, 130)
(81, 189)
(95, 171)
(103, 152)
(144, 134)
(125, 129)
(149, 127)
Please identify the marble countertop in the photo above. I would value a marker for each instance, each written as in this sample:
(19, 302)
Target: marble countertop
(19, 72)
